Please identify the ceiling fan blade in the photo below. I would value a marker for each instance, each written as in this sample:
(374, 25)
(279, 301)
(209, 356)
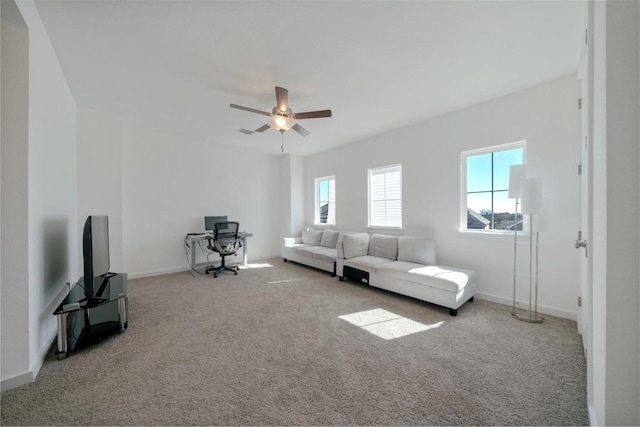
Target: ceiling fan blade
(302, 131)
(282, 98)
(312, 114)
(263, 128)
(251, 110)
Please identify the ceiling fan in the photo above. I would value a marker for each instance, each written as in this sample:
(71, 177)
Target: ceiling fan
(282, 118)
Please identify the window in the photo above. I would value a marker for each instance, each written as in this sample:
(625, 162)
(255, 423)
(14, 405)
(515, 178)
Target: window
(385, 196)
(485, 188)
(326, 200)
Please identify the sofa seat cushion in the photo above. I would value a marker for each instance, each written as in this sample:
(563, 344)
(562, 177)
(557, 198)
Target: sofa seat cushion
(366, 263)
(326, 254)
(307, 250)
(441, 277)
(295, 246)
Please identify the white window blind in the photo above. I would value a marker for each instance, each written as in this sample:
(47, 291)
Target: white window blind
(385, 196)
(331, 211)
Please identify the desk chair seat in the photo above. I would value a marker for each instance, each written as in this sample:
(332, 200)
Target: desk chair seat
(225, 241)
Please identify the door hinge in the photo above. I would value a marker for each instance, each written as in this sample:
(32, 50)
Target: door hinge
(579, 103)
(579, 301)
(580, 169)
(586, 37)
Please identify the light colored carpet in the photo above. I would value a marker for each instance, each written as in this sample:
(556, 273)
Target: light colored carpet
(269, 347)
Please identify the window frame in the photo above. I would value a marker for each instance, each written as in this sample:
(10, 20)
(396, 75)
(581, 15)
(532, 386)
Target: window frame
(317, 206)
(463, 184)
(370, 173)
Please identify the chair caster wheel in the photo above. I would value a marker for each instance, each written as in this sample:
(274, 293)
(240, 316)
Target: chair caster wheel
(215, 275)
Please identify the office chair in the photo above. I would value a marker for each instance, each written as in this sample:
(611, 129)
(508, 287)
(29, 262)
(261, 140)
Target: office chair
(225, 241)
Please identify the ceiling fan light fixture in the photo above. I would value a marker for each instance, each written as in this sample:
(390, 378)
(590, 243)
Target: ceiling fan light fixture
(282, 123)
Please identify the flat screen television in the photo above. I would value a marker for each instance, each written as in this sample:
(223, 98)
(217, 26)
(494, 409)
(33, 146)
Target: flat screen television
(95, 251)
(211, 221)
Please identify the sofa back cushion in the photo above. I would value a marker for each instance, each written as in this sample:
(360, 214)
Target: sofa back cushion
(311, 236)
(420, 250)
(329, 238)
(384, 246)
(355, 244)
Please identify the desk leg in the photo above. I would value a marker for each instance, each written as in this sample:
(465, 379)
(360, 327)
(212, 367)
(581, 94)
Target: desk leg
(192, 252)
(245, 256)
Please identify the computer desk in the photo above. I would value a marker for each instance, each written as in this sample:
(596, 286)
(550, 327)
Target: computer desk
(193, 241)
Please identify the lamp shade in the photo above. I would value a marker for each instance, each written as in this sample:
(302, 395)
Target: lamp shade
(517, 173)
(531, 196)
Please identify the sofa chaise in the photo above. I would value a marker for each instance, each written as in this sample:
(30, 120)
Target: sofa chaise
(405, 265)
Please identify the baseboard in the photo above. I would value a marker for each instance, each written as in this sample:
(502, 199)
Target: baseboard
(17, 381)
(156, 272)
(181, 269)
(541, 308)
(30, 375)
(593, 419)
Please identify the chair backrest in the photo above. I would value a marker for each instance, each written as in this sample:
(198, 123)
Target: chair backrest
(226, 240)
(226, 231)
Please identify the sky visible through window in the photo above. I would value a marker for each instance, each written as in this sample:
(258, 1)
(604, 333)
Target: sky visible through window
(326, 189)
(324, 200)
(488, 180)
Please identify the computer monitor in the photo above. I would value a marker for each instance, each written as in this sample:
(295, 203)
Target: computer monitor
(210, 222)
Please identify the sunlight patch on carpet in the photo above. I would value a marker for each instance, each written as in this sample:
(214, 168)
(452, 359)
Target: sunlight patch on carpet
(255, 265)
(385, 324)
(283, 281)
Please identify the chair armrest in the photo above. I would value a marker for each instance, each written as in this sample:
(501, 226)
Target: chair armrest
(290, 241)
(340, 252)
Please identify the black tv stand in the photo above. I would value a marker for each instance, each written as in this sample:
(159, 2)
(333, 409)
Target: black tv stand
(85, 321)
(92, 302)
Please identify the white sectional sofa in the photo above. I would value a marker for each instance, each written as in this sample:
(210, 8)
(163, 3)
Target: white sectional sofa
(315, 248)
(405, 265)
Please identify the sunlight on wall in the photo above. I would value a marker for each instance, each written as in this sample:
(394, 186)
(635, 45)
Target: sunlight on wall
(385, 324)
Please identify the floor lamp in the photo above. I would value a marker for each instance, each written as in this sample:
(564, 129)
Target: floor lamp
(517, 174)
(531, 193)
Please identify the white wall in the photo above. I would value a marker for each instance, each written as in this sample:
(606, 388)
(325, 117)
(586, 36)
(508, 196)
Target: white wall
(292, 205)
(546, 116)
(100, 176)
(14, 278)
(170, 183)
(51, 197)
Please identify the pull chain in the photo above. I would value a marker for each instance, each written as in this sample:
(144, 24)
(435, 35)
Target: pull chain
(282, 141)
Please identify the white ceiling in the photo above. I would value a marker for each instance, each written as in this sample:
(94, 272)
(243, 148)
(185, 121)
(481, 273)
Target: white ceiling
(175, 66)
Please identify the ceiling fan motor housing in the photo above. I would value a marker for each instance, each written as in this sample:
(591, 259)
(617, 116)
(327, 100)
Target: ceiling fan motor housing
(286, 113)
